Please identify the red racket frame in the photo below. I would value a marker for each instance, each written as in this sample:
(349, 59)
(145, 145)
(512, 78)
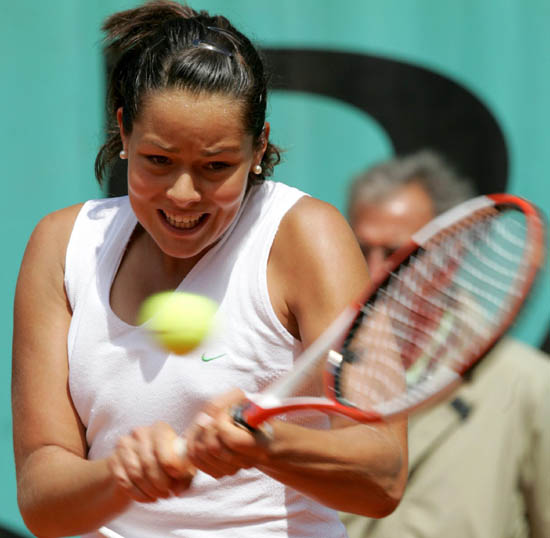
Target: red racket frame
(251, 414)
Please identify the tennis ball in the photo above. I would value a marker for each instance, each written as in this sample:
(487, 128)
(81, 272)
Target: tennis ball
(177, 320)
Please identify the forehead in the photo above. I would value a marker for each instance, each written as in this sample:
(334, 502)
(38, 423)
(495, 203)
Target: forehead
(175, 111)
(409, 201)
(395, 217)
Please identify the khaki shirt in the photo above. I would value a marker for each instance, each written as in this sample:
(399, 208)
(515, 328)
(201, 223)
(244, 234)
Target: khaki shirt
(484, 473)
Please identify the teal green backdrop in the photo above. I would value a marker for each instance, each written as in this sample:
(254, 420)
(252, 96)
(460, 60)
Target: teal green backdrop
(52, 123)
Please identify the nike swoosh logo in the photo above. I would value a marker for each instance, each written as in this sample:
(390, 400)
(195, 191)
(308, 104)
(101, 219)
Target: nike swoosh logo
(208, 359)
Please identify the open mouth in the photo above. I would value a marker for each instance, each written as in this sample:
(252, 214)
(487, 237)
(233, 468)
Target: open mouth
(183, 222)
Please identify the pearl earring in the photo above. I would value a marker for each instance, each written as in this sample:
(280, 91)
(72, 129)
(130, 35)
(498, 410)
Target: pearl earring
(257, 169)
(123, 154)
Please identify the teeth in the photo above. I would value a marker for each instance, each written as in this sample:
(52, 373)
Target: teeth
(181, 221)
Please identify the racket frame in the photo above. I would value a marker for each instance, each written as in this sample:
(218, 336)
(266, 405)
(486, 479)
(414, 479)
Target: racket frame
(273, 401)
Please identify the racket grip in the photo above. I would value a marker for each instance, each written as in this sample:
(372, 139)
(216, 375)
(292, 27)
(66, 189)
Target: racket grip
(237, 413)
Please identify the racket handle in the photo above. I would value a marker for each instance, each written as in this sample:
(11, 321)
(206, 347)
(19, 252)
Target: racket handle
(237, 413)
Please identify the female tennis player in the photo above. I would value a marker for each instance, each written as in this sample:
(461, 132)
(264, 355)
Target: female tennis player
(96, 405)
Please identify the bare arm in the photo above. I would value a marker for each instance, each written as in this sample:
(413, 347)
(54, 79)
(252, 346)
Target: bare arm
(60, 492)
(356, 468)
(315, 270)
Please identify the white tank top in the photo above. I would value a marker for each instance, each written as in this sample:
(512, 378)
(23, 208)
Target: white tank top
(118, 380)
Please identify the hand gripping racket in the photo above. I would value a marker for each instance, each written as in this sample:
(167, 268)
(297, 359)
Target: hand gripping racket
(444, 301)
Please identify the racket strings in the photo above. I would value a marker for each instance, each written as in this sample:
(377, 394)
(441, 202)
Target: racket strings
(435, 313)
(383, 379)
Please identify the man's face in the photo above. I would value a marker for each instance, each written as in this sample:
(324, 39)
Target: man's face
(384, 225)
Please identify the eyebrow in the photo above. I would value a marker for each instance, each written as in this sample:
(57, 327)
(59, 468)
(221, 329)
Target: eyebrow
(206, 152)
(223, 149)
(169, 149)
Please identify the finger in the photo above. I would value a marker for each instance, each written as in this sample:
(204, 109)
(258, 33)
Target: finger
(223, 403)
(210, 455)
(123, 481)
(184, 479)
(131, 459)
(182, 484)
(215, 467)
(152, 479)
(171, 452)
(196, 432)
(248, 449)
(236, 437)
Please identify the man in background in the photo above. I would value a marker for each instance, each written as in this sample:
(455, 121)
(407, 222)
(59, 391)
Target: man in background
(479, 462)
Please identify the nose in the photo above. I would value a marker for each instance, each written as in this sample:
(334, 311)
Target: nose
(184, 189)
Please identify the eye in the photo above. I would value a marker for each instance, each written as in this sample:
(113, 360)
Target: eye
(158, 160)
(217, 165)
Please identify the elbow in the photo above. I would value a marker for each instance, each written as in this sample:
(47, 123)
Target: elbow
(394, 484)
(386, 503)
(41, 525)
(40, 530)
(386, 487)
(387, 500)
(36, 527)
(390, 480)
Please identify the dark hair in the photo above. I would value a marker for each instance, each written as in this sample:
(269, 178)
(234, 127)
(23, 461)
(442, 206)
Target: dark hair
(445, 187)
(163, 45)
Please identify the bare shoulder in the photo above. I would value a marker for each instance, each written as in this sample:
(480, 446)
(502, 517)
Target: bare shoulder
(43, 264)
(317, 234)
(56, 226)
(51, 235)
(317, 264)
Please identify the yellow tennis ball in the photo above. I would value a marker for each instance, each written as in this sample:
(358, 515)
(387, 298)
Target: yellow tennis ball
(178, 321)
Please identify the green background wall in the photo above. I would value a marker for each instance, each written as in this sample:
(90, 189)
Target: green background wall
(51, 112)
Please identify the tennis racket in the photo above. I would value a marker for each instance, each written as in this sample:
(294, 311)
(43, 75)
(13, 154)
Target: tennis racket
(442, 304)
(444, 301)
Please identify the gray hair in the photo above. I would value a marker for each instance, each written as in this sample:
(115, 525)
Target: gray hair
(428, 169)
